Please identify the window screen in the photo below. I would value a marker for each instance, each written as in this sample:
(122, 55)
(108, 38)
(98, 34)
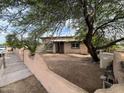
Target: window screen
(75, 45)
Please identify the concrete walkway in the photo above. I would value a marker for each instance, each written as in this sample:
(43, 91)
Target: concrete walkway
(15, 70)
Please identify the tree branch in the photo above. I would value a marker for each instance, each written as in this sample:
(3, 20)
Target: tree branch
(88, 19)
(106, 23)
(109, 44)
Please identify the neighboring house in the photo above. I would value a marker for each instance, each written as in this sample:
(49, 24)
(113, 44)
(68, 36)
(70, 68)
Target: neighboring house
(65, 44)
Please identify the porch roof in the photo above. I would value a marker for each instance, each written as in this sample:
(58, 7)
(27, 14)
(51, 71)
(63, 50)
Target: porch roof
(64, 40)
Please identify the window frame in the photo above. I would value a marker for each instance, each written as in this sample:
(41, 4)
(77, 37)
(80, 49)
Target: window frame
(75, 45)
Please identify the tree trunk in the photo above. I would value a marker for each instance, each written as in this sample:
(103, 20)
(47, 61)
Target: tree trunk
(89, 19)
(91, 50)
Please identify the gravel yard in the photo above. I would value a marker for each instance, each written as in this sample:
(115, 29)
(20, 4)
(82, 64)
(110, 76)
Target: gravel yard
(76, 68)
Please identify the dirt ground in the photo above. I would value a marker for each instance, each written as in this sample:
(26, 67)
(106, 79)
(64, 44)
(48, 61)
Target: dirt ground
(28, 85)
(77, 69)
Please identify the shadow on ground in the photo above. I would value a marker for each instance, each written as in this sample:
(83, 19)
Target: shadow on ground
(28, 85)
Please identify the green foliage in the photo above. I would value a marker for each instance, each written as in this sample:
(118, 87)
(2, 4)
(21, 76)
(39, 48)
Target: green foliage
(13, 41)
(51, 15)
(31, 42)
(100, 41)
(31, 45)
(97, 20)
(81, 32)
(112, 48)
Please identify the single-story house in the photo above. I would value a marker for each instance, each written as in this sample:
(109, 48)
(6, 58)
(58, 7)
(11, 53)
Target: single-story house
(64, 44)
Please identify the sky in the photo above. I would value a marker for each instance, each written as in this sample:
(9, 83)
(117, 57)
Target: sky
(3, 33)
(2, 38)
(66, 31)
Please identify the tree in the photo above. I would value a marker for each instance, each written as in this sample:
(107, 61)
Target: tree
(13, 41)
(30, 43)
(96, 18)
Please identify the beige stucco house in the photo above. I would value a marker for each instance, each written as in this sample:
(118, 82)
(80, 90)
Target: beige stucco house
(65, 44)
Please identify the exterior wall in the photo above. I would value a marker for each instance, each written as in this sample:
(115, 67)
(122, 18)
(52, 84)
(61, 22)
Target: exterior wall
(52, 82)
(81, 50)
(118, 70)
(40, 48)
(20, 53)
(105, 59)
(45, 41)
(118, 73)
(67, 46)
(117, 88)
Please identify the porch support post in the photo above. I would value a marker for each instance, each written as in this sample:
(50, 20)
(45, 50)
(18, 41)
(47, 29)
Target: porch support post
(54, 48)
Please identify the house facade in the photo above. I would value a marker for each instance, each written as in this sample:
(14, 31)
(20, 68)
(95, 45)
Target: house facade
(64, 45)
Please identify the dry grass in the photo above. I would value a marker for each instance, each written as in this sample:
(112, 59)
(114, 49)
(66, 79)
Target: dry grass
(78, 70)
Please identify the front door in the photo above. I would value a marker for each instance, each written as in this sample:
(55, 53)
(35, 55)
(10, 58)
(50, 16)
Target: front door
(59, 47)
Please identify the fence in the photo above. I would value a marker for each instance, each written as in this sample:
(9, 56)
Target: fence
(105, 59)
(52, 82)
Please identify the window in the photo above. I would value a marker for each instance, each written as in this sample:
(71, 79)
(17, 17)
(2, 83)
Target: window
(75, 45)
